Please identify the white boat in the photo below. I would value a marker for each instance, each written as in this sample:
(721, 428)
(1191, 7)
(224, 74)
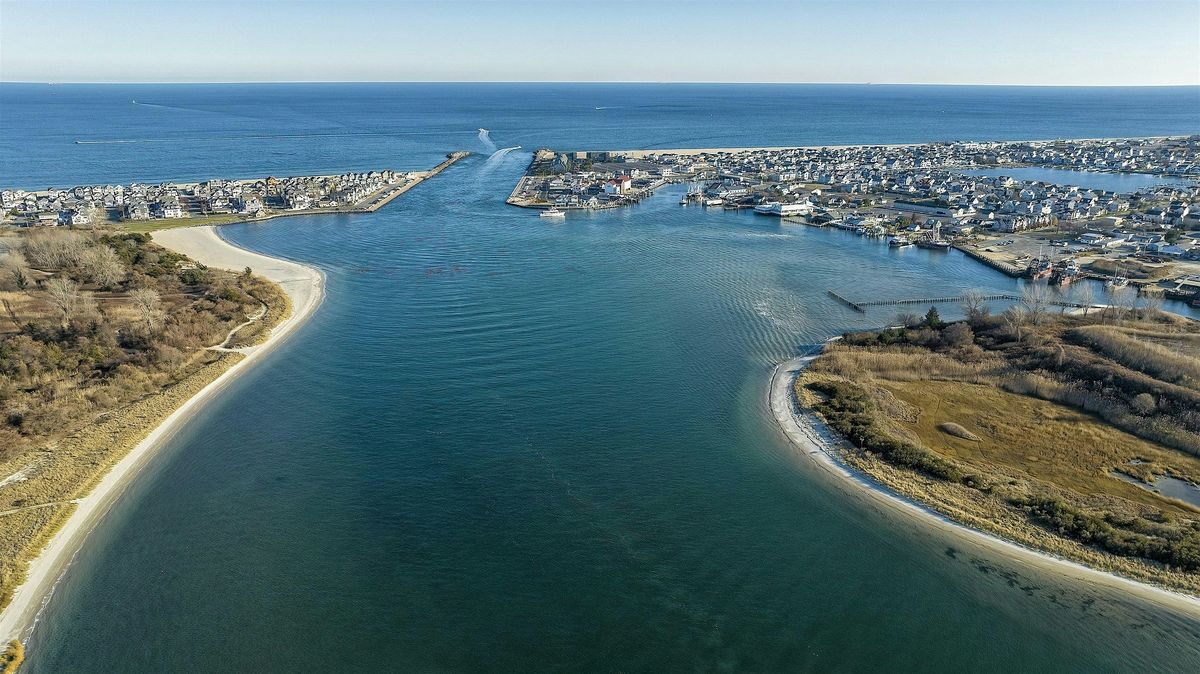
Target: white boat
(1116, 282)
(899, 242)
(714, 202)
(781, 210)
(552, 213)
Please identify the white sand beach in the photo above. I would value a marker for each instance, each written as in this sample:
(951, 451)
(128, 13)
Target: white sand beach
(818, 443)
(304, 285)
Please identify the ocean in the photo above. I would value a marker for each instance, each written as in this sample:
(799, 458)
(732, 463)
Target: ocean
(503, 444)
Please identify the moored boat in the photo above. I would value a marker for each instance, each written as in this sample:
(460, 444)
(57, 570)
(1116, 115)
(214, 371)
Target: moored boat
(899, 242)
(552, 213)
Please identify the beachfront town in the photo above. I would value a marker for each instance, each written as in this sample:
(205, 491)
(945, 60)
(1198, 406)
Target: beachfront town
(937, 196)
(97, 204)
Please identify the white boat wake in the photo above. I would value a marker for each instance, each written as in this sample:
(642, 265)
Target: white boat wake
(502, 152)
(486, 138)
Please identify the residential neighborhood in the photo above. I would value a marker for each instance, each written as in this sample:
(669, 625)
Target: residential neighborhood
(98, 204)
(967, 195)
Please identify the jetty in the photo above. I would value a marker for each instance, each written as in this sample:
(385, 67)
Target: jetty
(383, 199)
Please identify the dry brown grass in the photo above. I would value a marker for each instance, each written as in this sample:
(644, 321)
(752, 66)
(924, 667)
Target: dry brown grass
(1038, 439)
(32, 509)
(1022, 435)
(1159, 357)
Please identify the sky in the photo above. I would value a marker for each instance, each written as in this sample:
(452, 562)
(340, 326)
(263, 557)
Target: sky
(1050, 42)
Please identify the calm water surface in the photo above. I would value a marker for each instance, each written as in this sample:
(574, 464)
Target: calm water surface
(508, 445)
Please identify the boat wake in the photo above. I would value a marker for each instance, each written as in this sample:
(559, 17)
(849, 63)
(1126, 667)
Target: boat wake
(502, 153)
(485, 137)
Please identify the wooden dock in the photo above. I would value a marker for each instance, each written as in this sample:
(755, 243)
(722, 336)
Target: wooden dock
(861, 305)
(853, 305)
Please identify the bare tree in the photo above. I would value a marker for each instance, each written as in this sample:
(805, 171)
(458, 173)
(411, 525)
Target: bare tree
(1127, 301)
(974, 306)
(100, 265)
(1085, 294)
(13, 271)
(65, 296)
(1016, 317)
(1035, 298)
(53, 250)
(148, 305)
(1152, 306)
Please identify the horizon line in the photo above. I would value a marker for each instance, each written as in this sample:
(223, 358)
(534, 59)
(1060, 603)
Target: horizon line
(659, 82)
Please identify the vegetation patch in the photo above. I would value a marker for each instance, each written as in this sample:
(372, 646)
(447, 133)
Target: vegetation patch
(951, 428)
(106, 334)
(1017, 424)
(14, 655)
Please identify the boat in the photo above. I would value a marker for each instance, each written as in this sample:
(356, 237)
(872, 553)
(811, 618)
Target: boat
(1066, 273)
(714, 202)
(781, 210)
(933, 244)
(1116, 282)
(552, 213)
(899, 242)
(683, 201)
(1039, 268)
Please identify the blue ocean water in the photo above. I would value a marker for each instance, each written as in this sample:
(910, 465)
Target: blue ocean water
(507, 445)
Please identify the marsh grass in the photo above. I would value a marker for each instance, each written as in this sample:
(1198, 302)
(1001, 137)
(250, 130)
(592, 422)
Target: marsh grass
(1021, 432)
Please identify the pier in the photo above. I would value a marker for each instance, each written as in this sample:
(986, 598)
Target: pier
(853, 305)
(861, 306)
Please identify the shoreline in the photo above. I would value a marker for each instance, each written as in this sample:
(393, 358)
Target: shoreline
(734, 150)
(810, 436)
(304, 286)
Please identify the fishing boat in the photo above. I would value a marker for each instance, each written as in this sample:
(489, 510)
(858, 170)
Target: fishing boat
(1066, 273)
(1116, 282)
(899, 242)
(933, 244)
(1038, 269)
(552, 213)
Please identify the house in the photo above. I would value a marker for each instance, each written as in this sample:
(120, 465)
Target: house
(73, 217)
(137, 210)
(618, 185)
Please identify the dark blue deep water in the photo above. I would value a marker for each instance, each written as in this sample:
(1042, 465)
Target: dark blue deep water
(507, 445)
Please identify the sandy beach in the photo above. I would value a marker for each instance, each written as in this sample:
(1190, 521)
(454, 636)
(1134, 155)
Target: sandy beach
(818, 443)
(304, 286)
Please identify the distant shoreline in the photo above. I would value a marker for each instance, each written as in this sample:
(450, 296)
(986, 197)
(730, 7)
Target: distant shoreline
(814, 440)
(734, 150)
(305, 287)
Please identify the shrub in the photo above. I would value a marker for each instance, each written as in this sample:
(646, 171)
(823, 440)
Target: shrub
(849, 410)
(1143, 404)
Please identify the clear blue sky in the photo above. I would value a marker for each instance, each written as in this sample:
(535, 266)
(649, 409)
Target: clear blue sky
(1076, 42)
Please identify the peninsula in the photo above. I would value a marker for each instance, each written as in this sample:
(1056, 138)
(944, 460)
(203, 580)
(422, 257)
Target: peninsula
(141, 207)
(1073, 435)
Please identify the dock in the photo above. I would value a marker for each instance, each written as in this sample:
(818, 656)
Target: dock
(861, 305)
(853, 305)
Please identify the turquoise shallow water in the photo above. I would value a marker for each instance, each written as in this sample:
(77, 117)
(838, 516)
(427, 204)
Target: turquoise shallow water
(508, 445)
